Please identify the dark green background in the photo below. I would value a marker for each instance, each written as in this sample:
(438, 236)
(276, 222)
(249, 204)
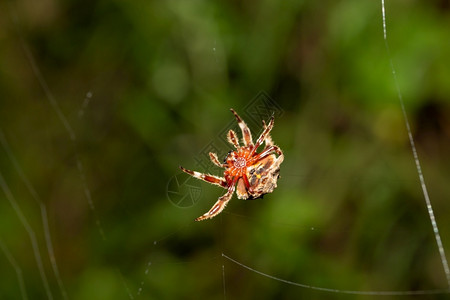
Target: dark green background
(348, 213)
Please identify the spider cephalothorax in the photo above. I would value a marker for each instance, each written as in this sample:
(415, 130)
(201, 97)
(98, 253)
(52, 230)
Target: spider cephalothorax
(250, 173)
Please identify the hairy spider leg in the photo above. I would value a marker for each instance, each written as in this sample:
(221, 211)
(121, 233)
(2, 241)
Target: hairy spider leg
(207, 177)
(263, 135)
(266, 152)
(220, 204)
(242, 174)
(245, 178)
(246, 134)
(215, 160)
(233, 139)
(246, 182)
(268, 139)
(270, 147)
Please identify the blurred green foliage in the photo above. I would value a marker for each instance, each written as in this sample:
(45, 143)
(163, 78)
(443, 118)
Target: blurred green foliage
(144, 86)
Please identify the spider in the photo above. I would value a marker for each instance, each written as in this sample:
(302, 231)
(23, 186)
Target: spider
(250, 174)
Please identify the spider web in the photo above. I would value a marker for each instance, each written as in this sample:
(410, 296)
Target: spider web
(441, 250)
(222, 261)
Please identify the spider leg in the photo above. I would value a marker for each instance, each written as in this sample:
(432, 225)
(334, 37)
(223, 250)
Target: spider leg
(215, 160)
(263, 136)
(219, 205)
(207, 177)
(242, 187)
(267, 151)
(268, 139)
(246, 134)
(233, 139)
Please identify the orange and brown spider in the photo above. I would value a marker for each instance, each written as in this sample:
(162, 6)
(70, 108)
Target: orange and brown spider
(251, 174)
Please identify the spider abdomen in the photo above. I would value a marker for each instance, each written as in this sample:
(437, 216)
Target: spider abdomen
(263, 176)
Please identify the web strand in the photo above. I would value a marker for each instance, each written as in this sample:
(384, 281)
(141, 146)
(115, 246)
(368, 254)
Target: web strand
(223, 281)
(416, 157)
(31, 234)
(43, 208)
(54, 104)
(337, 291)
(125, 285)
(16, 267)
(223, 264)
(41, 79)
